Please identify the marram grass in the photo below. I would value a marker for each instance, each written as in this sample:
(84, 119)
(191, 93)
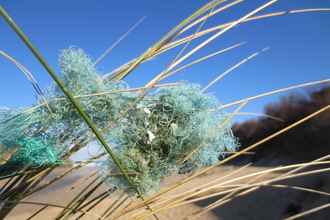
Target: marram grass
(147, 136)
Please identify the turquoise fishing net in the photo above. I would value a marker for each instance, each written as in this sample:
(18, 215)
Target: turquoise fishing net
(40, 138)
(180, 121)
(150, 141)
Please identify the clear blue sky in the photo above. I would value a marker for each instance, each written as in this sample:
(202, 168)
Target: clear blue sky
(299, 53)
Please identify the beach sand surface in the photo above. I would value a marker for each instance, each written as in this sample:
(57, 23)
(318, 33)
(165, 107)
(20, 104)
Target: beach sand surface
(265, 202)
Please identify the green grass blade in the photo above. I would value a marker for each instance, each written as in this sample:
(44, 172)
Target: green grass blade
(69, 95)
(98, 199)
(122, 74)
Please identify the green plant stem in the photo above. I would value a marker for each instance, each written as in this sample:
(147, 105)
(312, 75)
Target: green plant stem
(122, 74)
(69, 95)
(78, 203)
(97, 200)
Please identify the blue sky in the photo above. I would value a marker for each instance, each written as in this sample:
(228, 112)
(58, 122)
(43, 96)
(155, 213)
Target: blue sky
(299, 53)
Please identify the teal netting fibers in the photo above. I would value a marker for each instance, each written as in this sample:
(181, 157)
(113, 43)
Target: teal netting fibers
(38, 138)
(150, 141)
(161, 131)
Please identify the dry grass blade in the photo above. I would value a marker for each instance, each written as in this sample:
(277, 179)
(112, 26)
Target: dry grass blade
(7, 186)
(300, 188)
(77, 204)
(121, 203)
(82, 96)
(58, 177)
(99, 199)
(4, 195)
(34, 185)
(232, 68)
(23, 185)
(15, 193)
(246, 186)
(306, 165)
(69, 190)
(308, 212)
(194, 191)
(220, 201)
(226, 152)
(118, 41)
(57, 206)
(161, 75)
(75, 201)
(300, 166)
(113, 204)
(263, 115)
(233, 113)
(200, 20)
(239, 153)
(211, 38)
(65, 90)
(125, 66)
(219, 27)
(147, 54)
(199, 60)
(252, 186)
(270, 93)
(277, 133)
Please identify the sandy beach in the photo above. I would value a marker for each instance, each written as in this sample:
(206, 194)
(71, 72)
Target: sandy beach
(266, 202)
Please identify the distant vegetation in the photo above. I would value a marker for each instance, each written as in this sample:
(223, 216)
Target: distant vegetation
(305, 142)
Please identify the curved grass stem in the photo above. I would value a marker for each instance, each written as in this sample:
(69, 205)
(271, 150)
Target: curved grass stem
(68, 94)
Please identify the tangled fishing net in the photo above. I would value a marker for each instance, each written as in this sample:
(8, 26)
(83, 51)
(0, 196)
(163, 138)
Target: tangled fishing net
(40, 138)
(161, 131)
(151, 141)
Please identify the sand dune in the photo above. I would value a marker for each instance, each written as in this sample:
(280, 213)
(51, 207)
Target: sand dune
(262, 203)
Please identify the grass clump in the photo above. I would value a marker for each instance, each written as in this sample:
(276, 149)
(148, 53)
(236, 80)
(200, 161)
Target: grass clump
(152, 133)
(152, 140)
